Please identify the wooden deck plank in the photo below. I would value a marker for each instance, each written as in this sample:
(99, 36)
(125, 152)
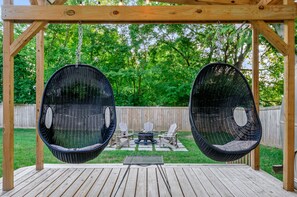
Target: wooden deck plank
(184, 179)
(78, 182)
(236, 181)
(174, 184)
(67, 183)
(233, 189)
(163, 191)
(99, 183)
(141, 182)
(35, 182)
(217, 183)
(110, 183)
(131, 183)
(152, 183)
(255, 187)
(122, 187)
(211, 190)
(184, 183)
(271, 185)
(89, 182)
(26, 175)
(47, 182)
(25, 180)
(18, 173)
(56, 183)
(195, 183)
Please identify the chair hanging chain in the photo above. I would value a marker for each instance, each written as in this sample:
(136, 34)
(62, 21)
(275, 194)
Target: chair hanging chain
(80, 40)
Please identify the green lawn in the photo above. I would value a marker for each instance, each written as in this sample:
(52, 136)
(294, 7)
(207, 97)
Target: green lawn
(25, 153)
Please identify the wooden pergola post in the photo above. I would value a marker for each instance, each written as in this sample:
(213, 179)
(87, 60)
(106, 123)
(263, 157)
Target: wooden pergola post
(8, 104)
(289, 101)
(255, 154)
(39, 90)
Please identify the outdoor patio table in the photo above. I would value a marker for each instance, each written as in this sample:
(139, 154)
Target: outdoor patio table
(146, 161)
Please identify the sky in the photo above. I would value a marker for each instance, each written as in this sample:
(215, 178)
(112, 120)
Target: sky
(18, 2)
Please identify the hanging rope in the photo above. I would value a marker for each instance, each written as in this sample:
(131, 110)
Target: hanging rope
(80, 39)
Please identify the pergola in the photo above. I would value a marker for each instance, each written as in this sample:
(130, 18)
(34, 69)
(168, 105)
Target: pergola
(259, 13)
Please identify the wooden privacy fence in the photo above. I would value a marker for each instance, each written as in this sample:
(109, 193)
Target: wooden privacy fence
(162, 117)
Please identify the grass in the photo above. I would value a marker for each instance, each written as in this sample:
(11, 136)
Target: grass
(25, 153)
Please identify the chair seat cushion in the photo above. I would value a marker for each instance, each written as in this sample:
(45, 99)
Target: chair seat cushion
(236, 145)
(86, 148)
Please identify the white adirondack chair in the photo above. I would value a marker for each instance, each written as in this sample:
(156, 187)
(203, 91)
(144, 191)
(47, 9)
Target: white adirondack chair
(123, 138)
(169, 139)
(148, 127)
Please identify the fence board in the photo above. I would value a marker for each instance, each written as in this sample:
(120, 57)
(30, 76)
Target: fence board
(162, 117)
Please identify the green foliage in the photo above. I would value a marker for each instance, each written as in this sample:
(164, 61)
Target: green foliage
(24, 70)
(149, 64)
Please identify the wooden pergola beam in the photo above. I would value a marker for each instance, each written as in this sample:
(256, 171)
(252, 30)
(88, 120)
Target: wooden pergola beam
(148, 14)
(271, 36)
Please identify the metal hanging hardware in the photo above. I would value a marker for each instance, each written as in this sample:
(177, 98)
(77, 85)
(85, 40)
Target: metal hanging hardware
(80, 40)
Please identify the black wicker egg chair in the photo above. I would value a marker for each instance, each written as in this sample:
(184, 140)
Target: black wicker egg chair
(77, 114)
(219, 92)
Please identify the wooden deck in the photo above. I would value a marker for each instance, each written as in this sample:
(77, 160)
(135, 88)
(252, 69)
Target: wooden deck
(184, 180)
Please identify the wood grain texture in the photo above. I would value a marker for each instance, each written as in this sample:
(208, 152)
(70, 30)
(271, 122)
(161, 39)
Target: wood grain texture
(148, 14)
(289, 107)
(255, 154)
(185, 180)
(8, 107)
(39, 92)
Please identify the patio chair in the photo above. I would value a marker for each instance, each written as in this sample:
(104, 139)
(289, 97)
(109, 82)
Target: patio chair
(148, 127)
(77, 113)
(123, 137)
(218, 91)
(169, 139)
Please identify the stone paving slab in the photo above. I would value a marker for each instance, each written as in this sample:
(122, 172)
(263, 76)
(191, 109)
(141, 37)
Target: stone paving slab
(148, 147)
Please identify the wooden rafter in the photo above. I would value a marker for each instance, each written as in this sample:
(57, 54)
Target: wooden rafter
(26, 36)
(29, 33)
(148, 14)
(271, 36)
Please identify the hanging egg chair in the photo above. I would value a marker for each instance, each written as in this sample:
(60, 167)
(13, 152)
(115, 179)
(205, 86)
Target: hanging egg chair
(221, 97)
(77, 114)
